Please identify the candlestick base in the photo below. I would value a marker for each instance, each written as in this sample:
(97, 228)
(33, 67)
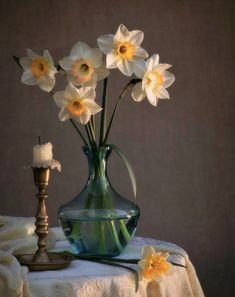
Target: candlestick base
(55, 261)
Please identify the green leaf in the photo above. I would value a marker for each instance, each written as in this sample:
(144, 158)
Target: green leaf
(128, 166)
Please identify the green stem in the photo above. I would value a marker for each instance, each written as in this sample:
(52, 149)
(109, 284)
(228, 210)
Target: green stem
(88, 135)
(130, 84)
(93, 123)
(17, 60)
(103, 112)
(78, 131)
(75, 231)
(101, 234)
(125, 232)
(91, 132)
(113, 232)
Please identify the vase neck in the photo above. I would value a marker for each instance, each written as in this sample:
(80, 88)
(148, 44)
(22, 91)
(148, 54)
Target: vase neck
(97, 165)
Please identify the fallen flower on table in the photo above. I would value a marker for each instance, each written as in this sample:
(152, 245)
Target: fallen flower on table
(153, 264)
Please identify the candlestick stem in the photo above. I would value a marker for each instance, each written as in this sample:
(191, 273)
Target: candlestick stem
(41, 179)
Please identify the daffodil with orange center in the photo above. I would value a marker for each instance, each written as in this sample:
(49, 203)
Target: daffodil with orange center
(155, 80)
(77, 104)
(84, 66)
(38, 70)
(153, 264)
(123, 49)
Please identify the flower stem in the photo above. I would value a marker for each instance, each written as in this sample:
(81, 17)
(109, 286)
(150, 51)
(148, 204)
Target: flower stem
(103, 112)
(130, 84)
(88, 135)
(124, 231)
(113, 231)
(78, 131)
(91, 133)
(93, 123)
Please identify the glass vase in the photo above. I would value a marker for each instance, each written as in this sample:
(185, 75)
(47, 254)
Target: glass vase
(99, 221)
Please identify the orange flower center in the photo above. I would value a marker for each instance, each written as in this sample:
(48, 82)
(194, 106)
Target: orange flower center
(155, 78)
(159, 79)
(126, 50)
(156, 265)
(39, 67)
(82, 70)
(75, 107)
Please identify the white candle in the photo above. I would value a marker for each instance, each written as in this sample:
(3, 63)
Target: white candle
(42, 153)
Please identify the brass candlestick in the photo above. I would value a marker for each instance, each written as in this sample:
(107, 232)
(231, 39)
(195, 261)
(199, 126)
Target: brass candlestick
(42, 259)
(41, 180)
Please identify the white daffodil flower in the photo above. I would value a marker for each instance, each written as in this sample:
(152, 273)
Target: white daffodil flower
(84, 66)
(77, 104)
(154, 265)
(123, 49)
(38, 70)
(155, 80)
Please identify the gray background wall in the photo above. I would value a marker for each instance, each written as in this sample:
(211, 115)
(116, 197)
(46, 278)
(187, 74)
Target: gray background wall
(182, 152)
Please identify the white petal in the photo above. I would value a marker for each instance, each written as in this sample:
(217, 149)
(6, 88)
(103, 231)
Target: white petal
(66, 63)
(71, 92)
(137, 93)
(84, 117)
(162, 93)
(52, 71)
(92, 82)
(121, 35)
(105, 43)
(152, 97)
(47, 55)
(28, 78)
(64, 115)
(31, 54)
(86, 93)
(140, 68)
(152, 62)
(92, 106)
(79, 50)
(126, 67)
(141, 53)
(94, 56)
(25, 63)
(60, 99)
(46, 83)
(72, 79)
(136, 37)
(148, 251)
(142, 263)
(161, 67)
(112, 59)
(168, 78)
(102, 72)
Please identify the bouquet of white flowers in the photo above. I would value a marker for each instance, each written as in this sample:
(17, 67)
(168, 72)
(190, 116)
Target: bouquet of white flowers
(99, 220)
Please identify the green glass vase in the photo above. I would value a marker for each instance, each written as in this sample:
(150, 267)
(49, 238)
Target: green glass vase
(99, 221)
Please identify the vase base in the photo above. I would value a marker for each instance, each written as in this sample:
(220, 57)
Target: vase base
(99, 237)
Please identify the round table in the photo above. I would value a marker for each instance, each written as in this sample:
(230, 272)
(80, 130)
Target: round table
(90, 279)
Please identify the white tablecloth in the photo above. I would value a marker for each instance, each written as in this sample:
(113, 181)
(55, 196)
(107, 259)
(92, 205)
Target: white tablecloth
(89, 279)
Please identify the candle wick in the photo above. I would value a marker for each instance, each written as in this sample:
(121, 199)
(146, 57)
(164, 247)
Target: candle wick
(39, 140)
